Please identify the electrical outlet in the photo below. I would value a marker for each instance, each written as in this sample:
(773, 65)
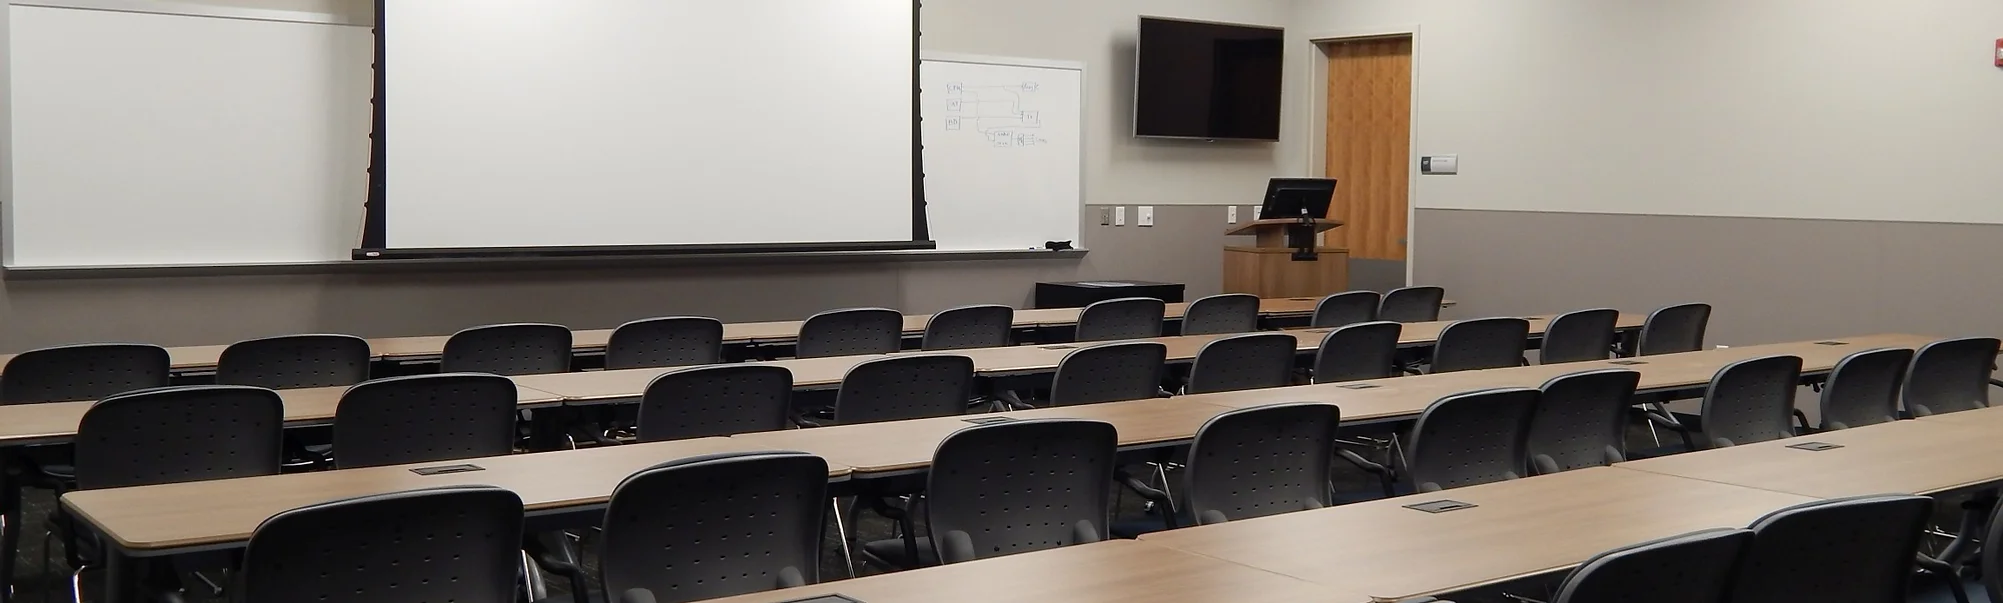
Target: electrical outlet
(1146, 216)
(1120, 216)
(1231, 215)
(1105, 216)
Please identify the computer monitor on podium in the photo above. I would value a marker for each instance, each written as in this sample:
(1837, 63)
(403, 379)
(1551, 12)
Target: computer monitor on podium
(1288, 198)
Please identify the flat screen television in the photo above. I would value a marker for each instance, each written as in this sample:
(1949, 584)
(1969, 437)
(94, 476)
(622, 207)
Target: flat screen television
(1212, 81)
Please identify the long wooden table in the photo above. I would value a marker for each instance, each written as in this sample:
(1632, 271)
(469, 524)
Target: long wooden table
(1902, 457)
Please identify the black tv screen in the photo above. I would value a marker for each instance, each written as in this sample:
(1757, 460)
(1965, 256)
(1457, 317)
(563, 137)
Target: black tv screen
(1208, 80)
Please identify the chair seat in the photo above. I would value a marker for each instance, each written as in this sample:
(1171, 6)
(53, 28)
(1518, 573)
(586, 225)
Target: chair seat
(890, 552)
(61, 473)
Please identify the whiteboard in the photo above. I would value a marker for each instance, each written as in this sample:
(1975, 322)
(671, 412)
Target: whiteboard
(1003, 151)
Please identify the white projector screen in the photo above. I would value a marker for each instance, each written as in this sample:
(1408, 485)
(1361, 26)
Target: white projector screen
(543, 123)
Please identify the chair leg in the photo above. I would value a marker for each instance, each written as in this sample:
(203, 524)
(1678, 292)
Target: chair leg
(76, 585)
(532, 580)
(841, 532)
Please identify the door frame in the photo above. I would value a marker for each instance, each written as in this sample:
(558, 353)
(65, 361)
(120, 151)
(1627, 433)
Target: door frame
(1317, 103)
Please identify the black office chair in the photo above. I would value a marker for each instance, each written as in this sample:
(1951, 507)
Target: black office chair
(1690, 568)
(850, 332)
(295, 361)
(1261, 461)
(454, 543)
(1412, 304)
(1858, 549)
(1991, 561)
(1109, 372)
(1124, 318)
(1674, 329)
(424, 418)
(82, 372)
(1581, 420)
(1950, 376)
(1011, 487)
(1750, 401)
(1344, 309)
(714, 526)
(720, 400)
(905, 387)
(1863, 389)
(968, 327)
(1579, 336)
(1482, 343)
(666, 341)
(1239, 362)
(508, 349)
(1470, 439)
(1220, 314)
(1358, 352)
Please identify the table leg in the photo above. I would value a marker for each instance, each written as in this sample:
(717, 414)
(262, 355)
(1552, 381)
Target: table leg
(10, 518)
(124, 576)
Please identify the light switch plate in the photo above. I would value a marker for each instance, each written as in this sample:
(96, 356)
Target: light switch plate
(1120, 216)
(1145, 216)
(1231, 215)
(1440, 164)
(1105, 216)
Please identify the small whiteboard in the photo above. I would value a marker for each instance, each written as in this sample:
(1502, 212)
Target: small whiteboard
(1003, 150)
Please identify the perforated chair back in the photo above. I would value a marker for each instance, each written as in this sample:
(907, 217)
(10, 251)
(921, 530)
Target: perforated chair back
(1357, 352)
(179, 434)
(1951, 375)
(969, 327)
(726, 399)
(1261, 461)
(1581, 420)
(1020, 486)
(424, 418)
(1482, 343)
(851, 332)
(1751, 401)
(1991, 559)
(1109, 372)
(1691, 568)
(1863, 389)
(1846, 549)
(666, 341)
(1218, 314)
(295, 361)
(82, 372)
(423, 546)
(1675, 329)
(1124, 318)
(1239, 362)
(1412, 304)
(905, 387)
(510, 349)
(1343, 309)
(1472, 438)
(716, 526)
(1579, 336)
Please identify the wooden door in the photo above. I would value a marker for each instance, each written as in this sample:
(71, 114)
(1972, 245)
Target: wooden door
(1369, 146)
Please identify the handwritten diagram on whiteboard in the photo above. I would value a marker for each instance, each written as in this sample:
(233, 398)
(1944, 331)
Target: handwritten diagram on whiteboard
(1007, 116)
(1003, 151)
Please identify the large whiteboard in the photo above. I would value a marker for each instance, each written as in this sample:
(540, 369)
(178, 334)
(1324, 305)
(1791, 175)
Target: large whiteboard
(1003, 151)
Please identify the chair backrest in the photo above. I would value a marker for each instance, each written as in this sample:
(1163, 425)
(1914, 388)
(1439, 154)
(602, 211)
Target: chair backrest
(1124, 318)
(1751, 401)
(665, 341)
(721, 400)
(1020, 486)
(443, 544)
(1238, 362)
(1992, 556)
(179, 434)
(1360, 351)
(82, 372)
(1674, 329)
(509, 349)
(1471, 438)
(1482, 343)
(716, 526)
(424, 418)
(968, 327)
(1863, 389)
(1343, 309)
(851, 332)
(1579, 336)
(1950, 375)
(1219, 314)
(295, 361)
(1109, 372)
(1690, 568)
(1846, 549)
(905, 387)
(1581, 420)
(1412, 304)
(1261, 461)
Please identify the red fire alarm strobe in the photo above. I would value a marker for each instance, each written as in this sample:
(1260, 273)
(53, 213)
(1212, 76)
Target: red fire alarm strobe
(1999, 53)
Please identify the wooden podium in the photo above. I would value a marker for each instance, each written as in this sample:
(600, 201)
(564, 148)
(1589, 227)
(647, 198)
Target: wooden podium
(1268, 269)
